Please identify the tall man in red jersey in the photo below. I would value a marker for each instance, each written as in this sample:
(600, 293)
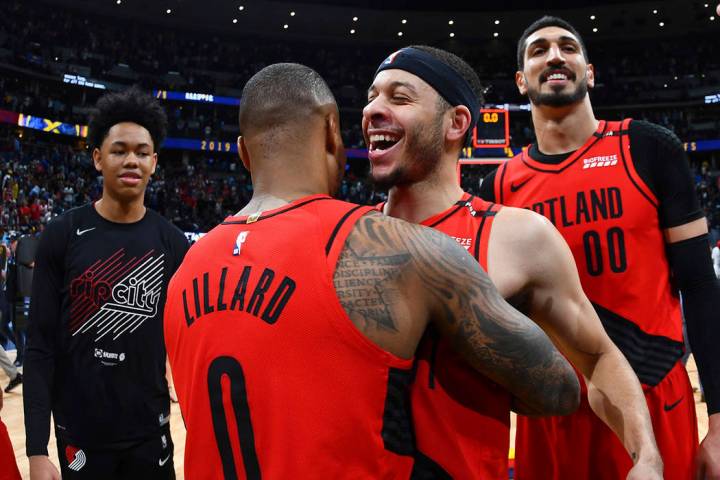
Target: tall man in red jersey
(415, 124)
(296, 321)
(621, 195)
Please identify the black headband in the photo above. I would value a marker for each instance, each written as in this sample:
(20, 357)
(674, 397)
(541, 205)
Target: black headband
(443, 78)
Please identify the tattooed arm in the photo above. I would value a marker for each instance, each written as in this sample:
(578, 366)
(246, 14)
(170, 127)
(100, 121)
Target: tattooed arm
(394, 277)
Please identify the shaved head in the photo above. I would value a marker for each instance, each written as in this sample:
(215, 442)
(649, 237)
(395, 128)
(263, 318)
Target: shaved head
(282, 96)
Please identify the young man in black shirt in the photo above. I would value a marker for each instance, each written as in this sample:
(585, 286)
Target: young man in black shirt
(95, 354)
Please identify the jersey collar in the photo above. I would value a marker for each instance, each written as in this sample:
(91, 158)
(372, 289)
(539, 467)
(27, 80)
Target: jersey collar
(538, 164)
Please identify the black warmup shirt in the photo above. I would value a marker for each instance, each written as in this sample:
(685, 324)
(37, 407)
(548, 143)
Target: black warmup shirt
(95, 352)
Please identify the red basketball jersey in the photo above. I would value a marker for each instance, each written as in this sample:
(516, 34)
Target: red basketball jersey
(609, 218)
(462, 419)
(273, 378)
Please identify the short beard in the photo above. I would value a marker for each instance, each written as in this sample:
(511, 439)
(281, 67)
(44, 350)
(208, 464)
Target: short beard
(424, 146)
(559, 99)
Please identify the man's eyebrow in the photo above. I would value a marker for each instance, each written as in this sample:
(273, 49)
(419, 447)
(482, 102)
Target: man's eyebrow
(394, 85)
(563, 38)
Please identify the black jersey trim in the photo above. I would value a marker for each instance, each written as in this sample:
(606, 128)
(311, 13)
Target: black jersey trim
(397, 430)
(502, 179)
(434, 339)
(488, 213)
(270, 215)
(426, 468)
(650, 356)
(340, 223)
(630, 176)
(458, 206)
(578, 153)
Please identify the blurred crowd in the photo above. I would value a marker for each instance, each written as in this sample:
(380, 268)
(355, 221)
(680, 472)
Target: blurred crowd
(39, 43)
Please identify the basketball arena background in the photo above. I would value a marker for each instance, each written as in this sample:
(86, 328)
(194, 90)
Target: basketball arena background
(654, 60)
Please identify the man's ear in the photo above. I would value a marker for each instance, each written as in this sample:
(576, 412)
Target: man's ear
(333, 138)
(521, 82)
(243, 153)
(590, 73)
(97, 157)
(460, 122)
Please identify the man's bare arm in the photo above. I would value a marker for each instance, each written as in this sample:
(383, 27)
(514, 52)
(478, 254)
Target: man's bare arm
(393, 277)
(558, 304)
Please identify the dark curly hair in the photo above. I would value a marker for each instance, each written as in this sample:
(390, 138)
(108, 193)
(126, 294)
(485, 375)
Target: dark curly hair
(546, 21)
(131, 105)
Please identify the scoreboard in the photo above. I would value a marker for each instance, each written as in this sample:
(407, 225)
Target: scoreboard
(493, 129)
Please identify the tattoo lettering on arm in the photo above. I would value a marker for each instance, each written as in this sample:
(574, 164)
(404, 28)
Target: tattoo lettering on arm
(366, 284)
(408, 273)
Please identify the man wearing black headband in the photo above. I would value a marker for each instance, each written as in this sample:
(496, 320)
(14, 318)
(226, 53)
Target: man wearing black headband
(422, 105)
(622, 196)
(313, 309)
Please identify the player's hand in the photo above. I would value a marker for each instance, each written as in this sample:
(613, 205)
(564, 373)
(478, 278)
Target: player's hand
(41, 468)
(708, 458)
(647, 470)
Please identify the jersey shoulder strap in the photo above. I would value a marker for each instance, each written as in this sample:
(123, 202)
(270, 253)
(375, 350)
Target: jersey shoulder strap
(341, 218)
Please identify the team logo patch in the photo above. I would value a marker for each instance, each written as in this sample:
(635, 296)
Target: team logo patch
(75, 457)
(242, 236)
(601, 161)
(391, 58)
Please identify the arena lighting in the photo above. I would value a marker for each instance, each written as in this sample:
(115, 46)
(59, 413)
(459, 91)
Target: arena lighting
(497, 22)
(168, 11)
(595, 30)
(119, 2)
(662, 24)
(495, 34)
(241, 8)
(285, 26)
(355, 19)
(399, 34)
(592, 17)
(234, 20)
(451, 22)
(452, 34)
(654, 12)
(404, 21)
(292, 14)
(352, 31)
(712, 19)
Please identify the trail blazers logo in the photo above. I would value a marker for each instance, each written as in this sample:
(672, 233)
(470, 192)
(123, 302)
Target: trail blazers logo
(75, 457)
(116, 295)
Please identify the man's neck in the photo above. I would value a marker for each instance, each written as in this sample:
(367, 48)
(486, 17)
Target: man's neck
(419, 201)
(117, 211)
(262, 202)
(563, 130)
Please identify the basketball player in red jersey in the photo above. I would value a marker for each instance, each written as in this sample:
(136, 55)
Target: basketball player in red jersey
(622, 196)
(291, 327)
(8, 465)
(421, 107)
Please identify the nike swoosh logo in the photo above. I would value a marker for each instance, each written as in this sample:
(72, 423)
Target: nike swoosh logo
(80, 232)
(162, 462)
(514, 188)
(672, 405)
